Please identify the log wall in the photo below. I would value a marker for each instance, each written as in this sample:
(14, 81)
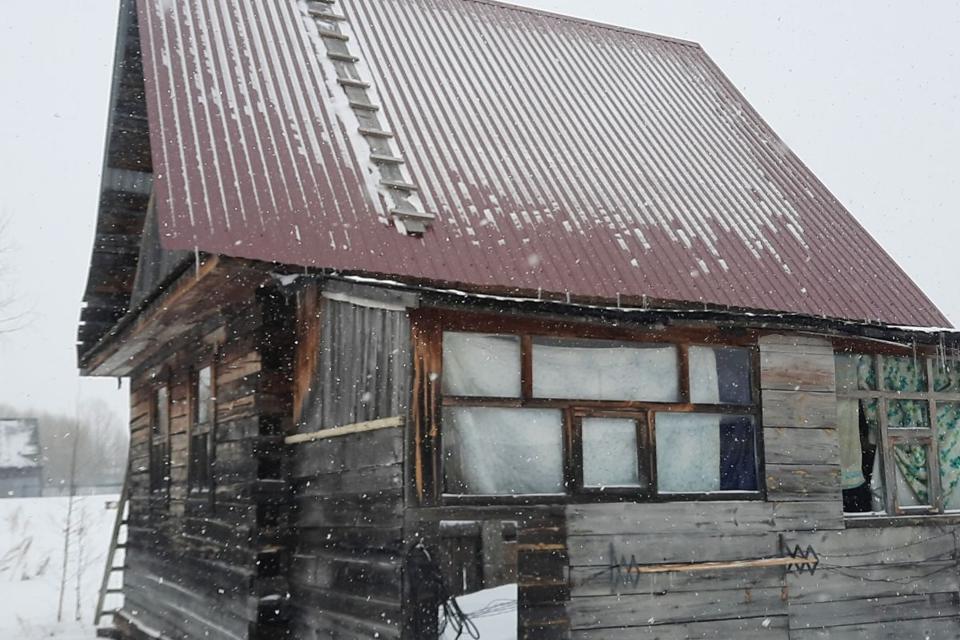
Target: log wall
(214, 572)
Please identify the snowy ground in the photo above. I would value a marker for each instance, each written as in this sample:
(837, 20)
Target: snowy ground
(31, 565)
(493, 611)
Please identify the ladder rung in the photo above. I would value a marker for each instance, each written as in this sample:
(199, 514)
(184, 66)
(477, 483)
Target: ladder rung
(342, 57)
(364, 106)
(350, 82)
(122, 545)
(323, 15)
(333, 35)
(397, 184)
(111, 591)
(418, 215)
(374, 133)
(376, 157)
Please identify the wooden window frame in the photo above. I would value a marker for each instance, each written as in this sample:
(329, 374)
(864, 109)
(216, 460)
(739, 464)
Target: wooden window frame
(200, 498)
(889, 438)
(160, 478)
(428, 327)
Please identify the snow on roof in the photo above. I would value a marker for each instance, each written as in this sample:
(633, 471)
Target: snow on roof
(557, 154)
(19, 443)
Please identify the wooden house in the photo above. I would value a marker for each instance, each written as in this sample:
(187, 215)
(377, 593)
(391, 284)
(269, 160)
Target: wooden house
(21, 464)
(420, 297)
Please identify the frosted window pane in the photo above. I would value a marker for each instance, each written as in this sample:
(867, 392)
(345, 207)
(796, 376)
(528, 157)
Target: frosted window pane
(688, 452)
(610, 453)
(499, 451)
(720, 374)
(477, 364)
(597, 370)
(162, 412)
(203, 396)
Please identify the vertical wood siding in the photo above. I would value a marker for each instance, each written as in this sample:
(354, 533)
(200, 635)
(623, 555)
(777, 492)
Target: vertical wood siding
(353, 364)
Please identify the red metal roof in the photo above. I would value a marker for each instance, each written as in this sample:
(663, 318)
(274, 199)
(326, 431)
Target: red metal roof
(557, 154)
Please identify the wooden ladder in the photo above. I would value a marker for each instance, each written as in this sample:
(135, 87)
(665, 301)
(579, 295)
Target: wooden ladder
(109, 567)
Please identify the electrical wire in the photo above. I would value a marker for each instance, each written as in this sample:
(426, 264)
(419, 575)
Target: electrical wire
(450, 612)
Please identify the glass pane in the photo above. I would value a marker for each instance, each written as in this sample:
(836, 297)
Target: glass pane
(907, 414)
(203, 396)
(948, 425)
(903, 373)
(162, 413)
(702, 452)
(720, 374)
(478, 364)
(912, 475)
(946, 376)
(610, 453)
(599, 370)
(489, 450)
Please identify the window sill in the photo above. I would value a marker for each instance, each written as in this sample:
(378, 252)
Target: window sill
(592, 497)
(881, 521)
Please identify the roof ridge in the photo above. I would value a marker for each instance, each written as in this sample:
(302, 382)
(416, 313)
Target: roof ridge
(594, 23)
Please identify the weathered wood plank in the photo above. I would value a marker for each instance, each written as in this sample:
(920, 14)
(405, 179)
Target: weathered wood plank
(599, 581)
(808, 515)
(684, 607)
(880, 546)
(799, 409)
(656, 548)
(943, 628)
(874, 610)
(760, 628)
(676, 517)
(809, 482)
(796, 371)
(848, 583)
(801, 446)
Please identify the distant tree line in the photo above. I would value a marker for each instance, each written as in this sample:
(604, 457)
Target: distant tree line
(100, 438)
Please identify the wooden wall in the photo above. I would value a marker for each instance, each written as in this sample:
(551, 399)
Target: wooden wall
(346, 571)
(609, 602)
(216, 572)
(876, 582)
(353, 364)
(801, 447)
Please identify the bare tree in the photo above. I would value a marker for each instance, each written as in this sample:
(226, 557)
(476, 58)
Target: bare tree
(11, 318)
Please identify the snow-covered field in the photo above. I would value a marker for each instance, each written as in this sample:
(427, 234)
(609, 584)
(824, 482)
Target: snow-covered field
(493, 611)
(31, 565)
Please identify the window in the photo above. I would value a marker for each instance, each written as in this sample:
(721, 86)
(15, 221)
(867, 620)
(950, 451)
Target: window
(160, 444)
(910, 404)
(200, 470)
(526, 414)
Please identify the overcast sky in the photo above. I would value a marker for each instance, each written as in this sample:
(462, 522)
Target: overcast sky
(867, 93)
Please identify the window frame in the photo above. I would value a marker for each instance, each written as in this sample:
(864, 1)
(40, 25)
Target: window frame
(200, 496)
(928, 437)
(160, 438)
(428, 326)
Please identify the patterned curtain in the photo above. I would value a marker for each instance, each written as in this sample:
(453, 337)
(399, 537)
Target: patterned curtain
(908, 374)
(947, 379)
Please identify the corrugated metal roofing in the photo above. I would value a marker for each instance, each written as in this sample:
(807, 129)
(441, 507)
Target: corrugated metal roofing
(557, 154)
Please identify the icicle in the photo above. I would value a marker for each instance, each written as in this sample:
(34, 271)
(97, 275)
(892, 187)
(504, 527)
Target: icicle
(916, 364)
(644, 298)
(618, 299)
(196, 261)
